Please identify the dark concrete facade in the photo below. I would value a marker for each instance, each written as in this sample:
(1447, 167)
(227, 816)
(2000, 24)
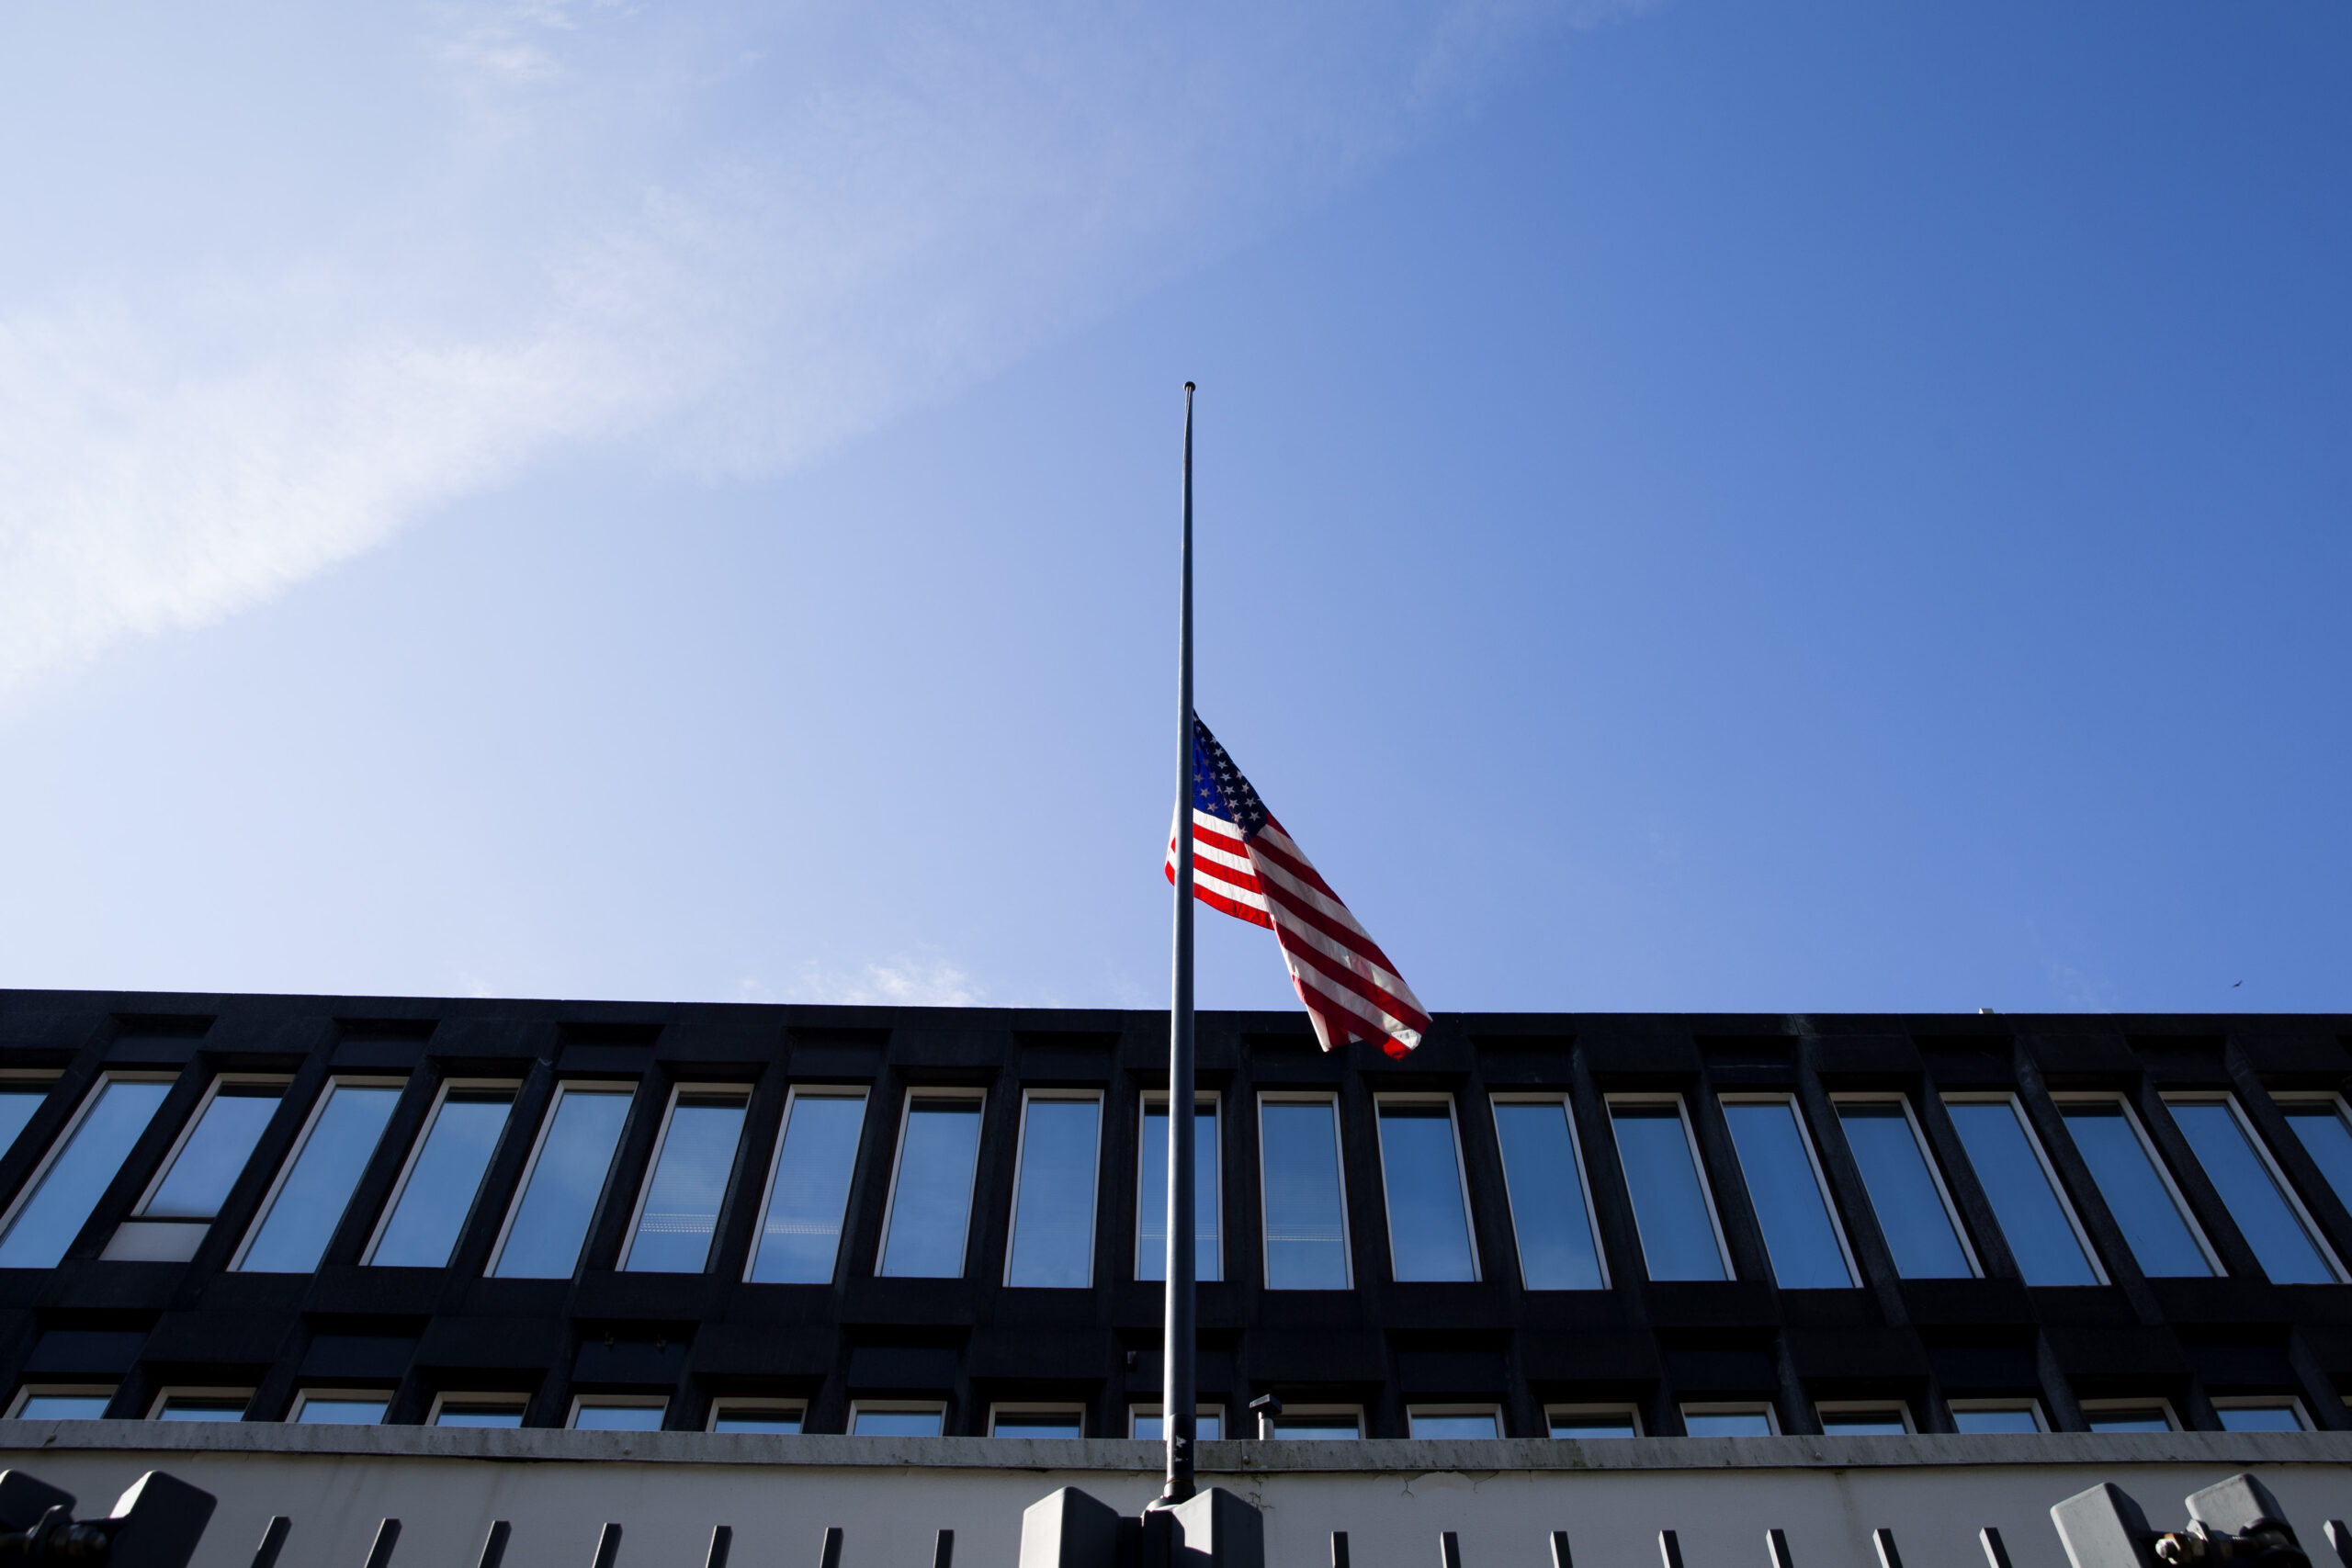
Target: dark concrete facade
(1382, 1345)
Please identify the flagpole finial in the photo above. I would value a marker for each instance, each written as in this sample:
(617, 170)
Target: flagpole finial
(1188, 386)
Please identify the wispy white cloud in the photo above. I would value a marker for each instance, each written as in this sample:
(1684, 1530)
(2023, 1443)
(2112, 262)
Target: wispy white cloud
(732, 238)
(896, 982)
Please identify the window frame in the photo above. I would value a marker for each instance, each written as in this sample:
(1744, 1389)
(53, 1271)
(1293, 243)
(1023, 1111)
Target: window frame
(1927, 1157)
(2031, 1407)
(793, 1095)
(1901, 1407)
(300, 1146)
(1051, 1096)
(896, 1407)
(416, 1152)
(754, 1405)
(1215, 1100)
(2066, 1097)
(629, 1086)
(2286, 1402)
(978, 1097)
(303, 1396)
(1340, 1170)
(1698, 1169)
(1461, 1183)
(678, 1091)
(282, 1081)
(1158, 1409)
(580, 1402)
(164, 1396)
(1687, 1408)
(1037, 1408)
(1631, 1412)
(1566, 1105)
(1458, 1407)
(2094, 1408)
(2048, 1174)
(1855, 1280)
(30, 1391)
(30, 1187)
(505, 1399)
(2312, 1230)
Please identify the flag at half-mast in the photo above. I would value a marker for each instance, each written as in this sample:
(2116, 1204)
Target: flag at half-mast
(1246, 865)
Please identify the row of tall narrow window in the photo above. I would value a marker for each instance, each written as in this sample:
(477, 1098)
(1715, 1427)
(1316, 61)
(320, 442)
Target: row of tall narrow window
(1304, 1209)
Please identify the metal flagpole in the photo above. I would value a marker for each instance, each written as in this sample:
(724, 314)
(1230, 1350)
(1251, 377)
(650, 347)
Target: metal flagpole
(1177, 1401)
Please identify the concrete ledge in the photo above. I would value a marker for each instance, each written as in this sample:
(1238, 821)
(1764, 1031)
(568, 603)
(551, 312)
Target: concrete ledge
(537, 1445)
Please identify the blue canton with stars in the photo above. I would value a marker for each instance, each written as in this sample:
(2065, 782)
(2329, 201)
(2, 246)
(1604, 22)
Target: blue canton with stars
(1218, 787)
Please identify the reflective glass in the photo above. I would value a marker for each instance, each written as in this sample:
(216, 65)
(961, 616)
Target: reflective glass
(439, 1192)
(2259, 1419)
(463, 1413)
(2151, 1222)
(343, 1411)
(1995, 1423)
(896, 1423)
(1152, 1196)
(2009, 1169)
(17, 1105)
(1310, 1428)
(1207, 1427)
(800, 1238)
(79, 1175)
(550, 1222)
(64, 1406)
(1727, 1423)
(2149, 1419)
(786, 1422)
(1670, 1205)
(930, 1203)
(1619, 1425)
(1484, 1425)
(617, 1418)
(1799, 1236)
(302, 1217)
(1429, 1228)
(681, 1214)
(1307, 1245)
(2328, 1141)
(1053, 1195)
(1547, 1205)
(214, 1154)
(1911, 1211)
(1862, 1424)
(2249, 1191)
(202, 1407)
(1037, 1423)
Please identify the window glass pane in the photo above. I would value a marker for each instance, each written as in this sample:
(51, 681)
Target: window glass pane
(309, 1203)
(1911, 1211)
(1053, 1195)
(2239, 1173)
(1727, 1423)
(1037, 1423)
(1152, 1196)
(1548, 1214)
(1484, 1426)
(202, 1407)
(1995, 1423)
(2259, 1419)
(343, 1411)
(1306, 1246)
(930, 1203)
(2329, 1143)
(1310, 1428)
(2010, 1168)
(16, 1107)
(1799, 1236)
(681, 1214)
(1670, 1206)
(1565, 1425)
(78, 1177)
(214, 1154)
(441, 1185)
(1862, 1424)
(478, 1413)
(897, 1423)
(2148, 1419)
(550, 1222)
(775, 1423)
(1208, 1426)
(2151, 1223)
(1429, 1230)
(617, 1418)
(64, 1406)
(800, 1238)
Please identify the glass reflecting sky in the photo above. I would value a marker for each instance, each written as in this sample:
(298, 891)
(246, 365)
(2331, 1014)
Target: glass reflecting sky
(896, 1423)
(2009, 1169)
(77, 1179)
(550, 1222)
(1306, 1247)
(931, 1205)
(1429, 1230)
(1670, 1205)
(1207, 1427)
(617, 1418)
(1482, 1426)
(1994, 1423)
(1548, 1214)
(681, 1214)
(16, 1107)
(441, 1185)
(2259, 1419)
(1727, 1423)
(2329, 1143)
(64, 1406)
(214, 1154)
(2151, 1222)
(343, 1411)
(2269, 1224)
(800, 1238)
(1053, 1199)
(1152, 1196)
(311, 1201)
(1594, 1426)
(1911, 1213)
(1799, 1234)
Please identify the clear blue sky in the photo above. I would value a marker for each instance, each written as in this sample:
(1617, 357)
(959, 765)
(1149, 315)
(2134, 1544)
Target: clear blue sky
(1702, 504)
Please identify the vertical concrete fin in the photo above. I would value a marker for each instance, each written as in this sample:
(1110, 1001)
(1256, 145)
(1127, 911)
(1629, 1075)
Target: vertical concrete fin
(1068, 1529)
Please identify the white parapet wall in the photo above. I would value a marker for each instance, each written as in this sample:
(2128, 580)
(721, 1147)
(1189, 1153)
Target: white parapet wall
(890, 1497)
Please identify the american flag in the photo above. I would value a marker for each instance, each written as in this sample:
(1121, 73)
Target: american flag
(1246, 865)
